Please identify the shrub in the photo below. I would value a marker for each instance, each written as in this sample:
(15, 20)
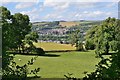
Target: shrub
(40, 51)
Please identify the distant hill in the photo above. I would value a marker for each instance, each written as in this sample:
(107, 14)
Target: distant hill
(66, 23)
(40, 23)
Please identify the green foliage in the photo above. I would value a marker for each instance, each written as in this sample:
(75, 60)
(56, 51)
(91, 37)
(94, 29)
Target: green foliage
(15, 71)
(6, 33)
(28, 42)
(108, 68)
(40, 51)
(89, 38)
(89, 45)
(21, 28)
(75, 39)
(102, 37)
(14, 29)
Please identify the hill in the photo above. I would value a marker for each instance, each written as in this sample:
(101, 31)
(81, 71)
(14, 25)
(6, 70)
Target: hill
(65, 23)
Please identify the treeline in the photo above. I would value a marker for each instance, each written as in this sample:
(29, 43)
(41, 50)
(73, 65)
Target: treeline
(105, 38)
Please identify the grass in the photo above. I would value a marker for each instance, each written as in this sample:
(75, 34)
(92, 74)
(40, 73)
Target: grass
(65, 62)
(50, 46)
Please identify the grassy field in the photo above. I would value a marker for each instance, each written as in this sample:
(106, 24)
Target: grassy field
(56, 65)
(50, 46)
(69, 24)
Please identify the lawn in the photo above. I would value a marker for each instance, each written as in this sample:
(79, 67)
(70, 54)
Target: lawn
(55, 65)
(51, 46)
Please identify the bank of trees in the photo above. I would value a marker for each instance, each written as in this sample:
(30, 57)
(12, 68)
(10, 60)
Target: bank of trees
(102, 37)
(107, 37)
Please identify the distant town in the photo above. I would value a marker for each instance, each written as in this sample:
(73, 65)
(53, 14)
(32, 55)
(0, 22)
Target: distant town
(60, 31)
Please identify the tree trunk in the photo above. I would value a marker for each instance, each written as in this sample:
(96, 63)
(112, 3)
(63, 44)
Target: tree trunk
(19, 49)
(107, 48)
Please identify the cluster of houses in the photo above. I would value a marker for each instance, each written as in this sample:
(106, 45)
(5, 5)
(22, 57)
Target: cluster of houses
(59, 31)
(55, 34)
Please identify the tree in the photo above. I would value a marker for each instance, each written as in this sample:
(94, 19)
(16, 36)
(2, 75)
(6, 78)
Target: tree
(14, 29)
(22, 27)
(108, 68)
(28, 42)
(89, 38)
(75, 39)
(107, 35)
(102, 36)
(6, 34)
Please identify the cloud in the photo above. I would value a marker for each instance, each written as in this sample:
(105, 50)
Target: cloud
(52, 16)
(112, 4)
(84, 5)
(56, 5)
(24, 5)
(96, 14)
(81, 0)
(33, 14)
(50, 11)
(19, 0)
(4, 3)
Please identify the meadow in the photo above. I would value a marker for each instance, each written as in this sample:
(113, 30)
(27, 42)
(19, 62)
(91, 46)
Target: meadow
(56, 65)
(69, 24)
(51, 46)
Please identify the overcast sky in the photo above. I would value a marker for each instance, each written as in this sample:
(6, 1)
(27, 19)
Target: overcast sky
(51, 10)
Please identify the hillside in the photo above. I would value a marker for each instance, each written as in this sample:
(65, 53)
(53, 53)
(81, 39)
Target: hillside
(65, 23)
(59, 31)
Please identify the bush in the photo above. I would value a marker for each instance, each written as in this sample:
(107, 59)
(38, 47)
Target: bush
(81, 47)
(90, 45)
(40, 51)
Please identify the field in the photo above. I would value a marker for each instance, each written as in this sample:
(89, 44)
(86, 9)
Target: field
(56, 65)
(50, 46)
(69, 24)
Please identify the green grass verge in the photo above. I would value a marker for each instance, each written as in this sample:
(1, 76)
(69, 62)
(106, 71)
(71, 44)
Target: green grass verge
(65, 62)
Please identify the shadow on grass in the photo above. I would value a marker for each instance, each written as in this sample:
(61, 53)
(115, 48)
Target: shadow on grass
(109, 53)
(50, 79)
(50, 55)
(34, 78)
(45, 55)
(54, 51)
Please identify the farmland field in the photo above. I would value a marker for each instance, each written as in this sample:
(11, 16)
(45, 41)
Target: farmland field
(56, 65)
(69, 24)
(50, 46)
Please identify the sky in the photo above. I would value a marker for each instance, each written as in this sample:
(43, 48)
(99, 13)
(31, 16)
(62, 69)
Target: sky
(52, 10)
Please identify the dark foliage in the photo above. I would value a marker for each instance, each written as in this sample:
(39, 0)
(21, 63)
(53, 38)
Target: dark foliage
(40, 51)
